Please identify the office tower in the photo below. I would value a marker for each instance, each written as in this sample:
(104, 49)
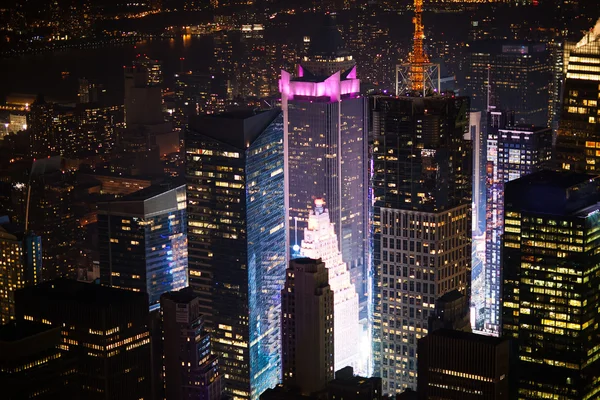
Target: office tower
(451, 312)
(105, 328)
(519, 73)
(32, 364)
(479, 146)
(459, 365)
(578, 133)
(237, 241)
(307, 326)
(422, 228)
(550, 287)
(20, 265)
(41, 130)
(190, 371)
(326, 147)
(348, 386)
(320, 242)
(513, 151)
(142, 241)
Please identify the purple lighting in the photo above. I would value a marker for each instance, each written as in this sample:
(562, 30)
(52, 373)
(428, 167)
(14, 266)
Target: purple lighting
(333, 87)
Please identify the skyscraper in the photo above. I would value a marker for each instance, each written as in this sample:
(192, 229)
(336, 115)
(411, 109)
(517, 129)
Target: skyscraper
(190, 371)
(20, 265)
(578, 137)
(422, 227)
(320, 242)
(104, 328)
(550, 283)
(41, 129)
(142, 241)
(519, 73)
(326, 147)
(237, 241)
(513, 151)
(307, 325)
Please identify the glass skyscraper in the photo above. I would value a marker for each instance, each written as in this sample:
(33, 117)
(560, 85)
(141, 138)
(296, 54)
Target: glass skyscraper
(513, 151)
(143, 241)
(326, 148)
(238, 244)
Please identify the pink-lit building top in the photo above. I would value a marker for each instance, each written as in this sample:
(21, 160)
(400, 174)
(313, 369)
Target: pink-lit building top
(335, 87)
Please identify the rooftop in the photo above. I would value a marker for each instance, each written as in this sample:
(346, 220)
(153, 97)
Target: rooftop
(555, 179)
(185, 295)
(15, 331)
(63, 289)
(467, 336)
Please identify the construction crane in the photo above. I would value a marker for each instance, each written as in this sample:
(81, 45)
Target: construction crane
(418, 59)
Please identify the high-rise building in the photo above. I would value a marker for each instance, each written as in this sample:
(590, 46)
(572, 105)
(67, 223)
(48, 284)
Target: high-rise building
(237, 241)
(32, 363)
(348, 386)
(512, 152)
(520, 74)
(143, 95)
(578, 137)
(451, 312)
(190, 370)
(104, 328)
(422, 173)
(142, 240)
(307, 325)
(20, 265)
(457, 365)
(550, 285)
(326, 147)
(41, 129)
(320, 242)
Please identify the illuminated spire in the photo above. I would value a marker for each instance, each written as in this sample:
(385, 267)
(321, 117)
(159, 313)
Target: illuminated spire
(418, 58)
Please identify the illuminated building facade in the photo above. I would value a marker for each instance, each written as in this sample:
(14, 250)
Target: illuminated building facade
(20, 265)
(104, 328)
(457, 365)
(578, 137)
(550, 283)
(422, 225)
(326, 148)
(513, 151)
(142, 242)
(520, 74)
(307, 324)
(320, 242)
(190, 371)
(41, 129)
(237, 235)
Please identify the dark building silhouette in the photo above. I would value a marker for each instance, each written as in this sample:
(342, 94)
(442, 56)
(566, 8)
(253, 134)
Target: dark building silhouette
(347, 386)
(551, 283)
(32, 364)
(451, 312)
(520, 74)
(463, 366)
(307, 326)
(104, 328)
(190, 370)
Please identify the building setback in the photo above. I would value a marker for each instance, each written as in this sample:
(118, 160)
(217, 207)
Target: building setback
(237, 241)
(551, 283)
(422, 229)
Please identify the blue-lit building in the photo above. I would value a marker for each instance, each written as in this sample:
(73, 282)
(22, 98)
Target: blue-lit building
(512, 152)
(142, 241)
(238, 241)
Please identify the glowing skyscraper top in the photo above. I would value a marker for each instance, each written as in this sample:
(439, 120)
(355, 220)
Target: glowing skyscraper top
(320, 241)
